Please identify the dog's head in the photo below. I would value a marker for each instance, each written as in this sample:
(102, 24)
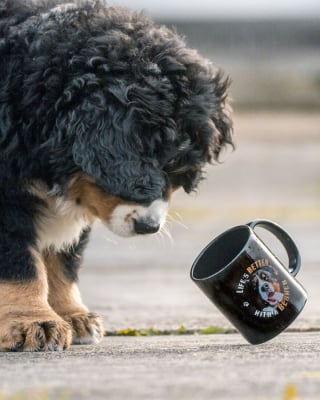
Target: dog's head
(143, 115)
(267, 286)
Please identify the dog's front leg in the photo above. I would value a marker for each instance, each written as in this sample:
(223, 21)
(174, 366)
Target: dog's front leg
(27, 322)
(64, 296)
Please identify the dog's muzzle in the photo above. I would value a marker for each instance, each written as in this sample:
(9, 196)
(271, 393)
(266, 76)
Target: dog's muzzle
(133, 219)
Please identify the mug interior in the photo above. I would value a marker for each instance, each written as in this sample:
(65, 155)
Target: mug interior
(220, 252)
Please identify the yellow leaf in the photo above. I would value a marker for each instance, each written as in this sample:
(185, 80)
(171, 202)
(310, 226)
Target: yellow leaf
(290, 392)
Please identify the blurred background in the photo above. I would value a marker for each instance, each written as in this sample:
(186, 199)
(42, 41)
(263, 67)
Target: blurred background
(270, 49)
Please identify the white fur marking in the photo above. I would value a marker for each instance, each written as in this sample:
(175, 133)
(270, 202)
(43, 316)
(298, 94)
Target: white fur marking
(61, 225)
(95, 338)
(122, 218)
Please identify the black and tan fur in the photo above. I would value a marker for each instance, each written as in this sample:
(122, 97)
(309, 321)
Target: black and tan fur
(103, 114)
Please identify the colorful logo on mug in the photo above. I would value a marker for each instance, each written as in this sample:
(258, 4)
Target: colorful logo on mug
(263, 291)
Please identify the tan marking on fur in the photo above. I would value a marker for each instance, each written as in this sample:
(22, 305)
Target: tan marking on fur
(170, 192)
(27, 322)
(65, 216)
(99, 203)
(64, 297)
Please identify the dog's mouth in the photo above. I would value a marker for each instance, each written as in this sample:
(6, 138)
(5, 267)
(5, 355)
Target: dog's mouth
(271, 296)
(272, 299)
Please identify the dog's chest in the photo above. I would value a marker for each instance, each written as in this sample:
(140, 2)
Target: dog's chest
(60, 225)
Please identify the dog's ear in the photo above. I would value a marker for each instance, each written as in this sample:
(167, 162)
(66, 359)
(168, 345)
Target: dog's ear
(254, 281)
(221, 115)
(207, 113)
(203, 117)
(203, 111)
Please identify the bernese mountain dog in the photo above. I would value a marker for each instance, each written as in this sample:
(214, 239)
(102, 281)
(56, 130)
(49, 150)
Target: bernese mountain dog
(103, 115)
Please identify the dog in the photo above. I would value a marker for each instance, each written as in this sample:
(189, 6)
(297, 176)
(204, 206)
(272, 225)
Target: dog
(103, 115)
(268, 288)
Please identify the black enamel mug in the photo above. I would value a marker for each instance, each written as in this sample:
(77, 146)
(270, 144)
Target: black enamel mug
(248, 283)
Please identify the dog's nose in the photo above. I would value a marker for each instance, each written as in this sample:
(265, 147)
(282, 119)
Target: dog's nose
(143, 227)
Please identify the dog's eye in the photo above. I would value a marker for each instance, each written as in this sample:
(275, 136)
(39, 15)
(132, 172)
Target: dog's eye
(264, 277)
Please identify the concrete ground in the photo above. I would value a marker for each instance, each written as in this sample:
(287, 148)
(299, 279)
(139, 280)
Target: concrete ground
(172, 367)
(144, 283)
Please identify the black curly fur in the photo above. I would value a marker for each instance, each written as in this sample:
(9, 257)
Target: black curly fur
(102, 90)
(107, 91)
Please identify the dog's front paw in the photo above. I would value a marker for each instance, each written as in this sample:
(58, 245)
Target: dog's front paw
(87, 328)
(29, 334)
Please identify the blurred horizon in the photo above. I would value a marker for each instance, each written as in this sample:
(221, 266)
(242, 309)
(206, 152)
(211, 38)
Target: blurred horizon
(273, 64)
(270, 49)
(233, 9)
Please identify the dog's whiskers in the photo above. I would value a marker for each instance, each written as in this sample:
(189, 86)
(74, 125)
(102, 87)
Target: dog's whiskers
(177, 219)
(166, 233)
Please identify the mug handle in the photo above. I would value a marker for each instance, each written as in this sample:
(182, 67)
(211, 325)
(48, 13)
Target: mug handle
(285, 239)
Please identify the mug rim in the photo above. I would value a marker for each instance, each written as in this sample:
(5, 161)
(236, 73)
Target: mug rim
(194, 264)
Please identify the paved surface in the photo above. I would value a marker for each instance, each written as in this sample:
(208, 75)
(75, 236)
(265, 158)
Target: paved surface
(189, 367)
(274, 173)
(145, 283)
